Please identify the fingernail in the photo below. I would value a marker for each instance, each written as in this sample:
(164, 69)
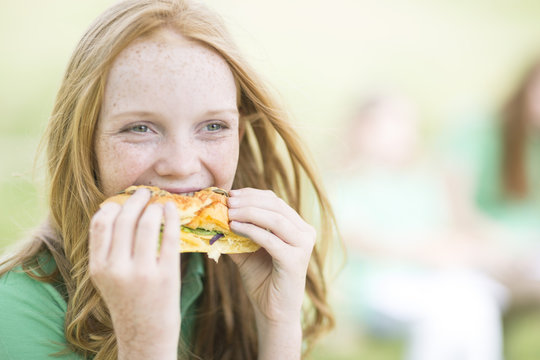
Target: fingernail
(233, 201)
(142, 191)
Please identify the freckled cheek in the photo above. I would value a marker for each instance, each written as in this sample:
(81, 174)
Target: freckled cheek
(120, 165)
(223, 163)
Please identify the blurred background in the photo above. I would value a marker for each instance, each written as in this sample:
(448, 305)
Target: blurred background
(399, 100)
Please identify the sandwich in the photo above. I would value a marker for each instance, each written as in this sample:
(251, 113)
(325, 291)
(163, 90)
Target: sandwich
(204, 220)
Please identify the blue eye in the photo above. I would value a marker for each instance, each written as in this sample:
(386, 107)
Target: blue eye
(213, 127)
(140, 128)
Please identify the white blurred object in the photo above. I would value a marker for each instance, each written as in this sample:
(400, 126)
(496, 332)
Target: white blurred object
(447, 315)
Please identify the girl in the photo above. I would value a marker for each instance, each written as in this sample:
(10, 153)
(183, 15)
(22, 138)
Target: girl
(157, 94)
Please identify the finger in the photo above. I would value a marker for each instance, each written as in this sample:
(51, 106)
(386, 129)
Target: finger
(270, 242)
(170, 243)
(101, 230)
(264, 199)
(147, 235)
(126, 222)
(267, 220)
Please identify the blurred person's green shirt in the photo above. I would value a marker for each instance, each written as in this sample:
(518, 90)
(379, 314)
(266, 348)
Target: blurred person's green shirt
(475, 145)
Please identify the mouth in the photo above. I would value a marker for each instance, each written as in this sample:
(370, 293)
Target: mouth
(178, 191)
(192, 192)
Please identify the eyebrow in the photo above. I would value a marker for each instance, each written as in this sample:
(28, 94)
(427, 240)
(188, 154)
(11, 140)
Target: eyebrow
(130, 113)
(231, 111)
(142, 113)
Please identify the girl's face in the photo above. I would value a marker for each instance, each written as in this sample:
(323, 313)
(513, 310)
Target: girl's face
(169, 118)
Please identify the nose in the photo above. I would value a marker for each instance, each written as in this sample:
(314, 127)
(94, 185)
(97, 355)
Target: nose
(178, 158)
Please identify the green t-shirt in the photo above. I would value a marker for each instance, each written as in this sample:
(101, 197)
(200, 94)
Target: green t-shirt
(32, 313)
(490, 194)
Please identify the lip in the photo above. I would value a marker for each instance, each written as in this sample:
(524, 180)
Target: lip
(182, 190)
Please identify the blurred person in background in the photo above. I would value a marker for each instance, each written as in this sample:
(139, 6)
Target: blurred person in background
(498, 156)
(410, 274)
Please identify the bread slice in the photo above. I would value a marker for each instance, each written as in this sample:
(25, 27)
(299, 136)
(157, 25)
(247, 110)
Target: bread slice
(204, 220)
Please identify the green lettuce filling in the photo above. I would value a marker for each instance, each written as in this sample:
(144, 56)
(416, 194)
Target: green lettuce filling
(200, 231)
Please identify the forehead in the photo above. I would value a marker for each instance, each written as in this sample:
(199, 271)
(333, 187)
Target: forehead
(167, 46)
(167, 62)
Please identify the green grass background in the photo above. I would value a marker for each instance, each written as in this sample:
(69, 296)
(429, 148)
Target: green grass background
(320, 56)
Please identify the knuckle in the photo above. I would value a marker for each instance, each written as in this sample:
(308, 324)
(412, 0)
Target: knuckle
(142, 275)
(118, 272)
(276, 220)
(98, 224)
(98, 227)
(146, 221)
(124, 217)
(167, 277)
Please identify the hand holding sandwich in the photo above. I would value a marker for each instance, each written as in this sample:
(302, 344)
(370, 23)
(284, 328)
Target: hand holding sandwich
(274, 278)
(132, 279)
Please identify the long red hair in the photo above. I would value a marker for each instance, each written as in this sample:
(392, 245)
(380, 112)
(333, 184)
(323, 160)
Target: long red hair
(271, 157)
(515, 128)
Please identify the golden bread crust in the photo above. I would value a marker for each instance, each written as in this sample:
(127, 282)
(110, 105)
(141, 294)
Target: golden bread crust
(206, 209)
